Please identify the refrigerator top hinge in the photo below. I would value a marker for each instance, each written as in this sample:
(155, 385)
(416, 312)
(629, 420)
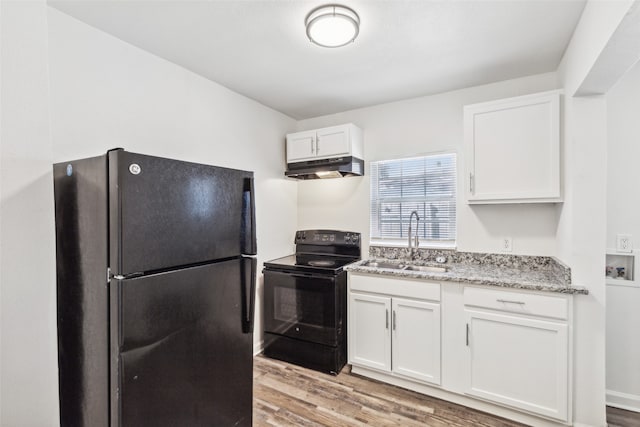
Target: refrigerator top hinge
(111, 276)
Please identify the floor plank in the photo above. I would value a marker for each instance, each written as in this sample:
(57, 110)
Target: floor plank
(288, 395)
(621, 418)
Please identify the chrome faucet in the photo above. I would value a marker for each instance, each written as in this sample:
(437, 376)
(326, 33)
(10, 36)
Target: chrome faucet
(416, 242)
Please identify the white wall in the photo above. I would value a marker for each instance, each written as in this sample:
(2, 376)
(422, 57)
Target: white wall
(623, 211)
(424, 125)
(103, 93)
(623, 158)
(582, 217)
(29, 375)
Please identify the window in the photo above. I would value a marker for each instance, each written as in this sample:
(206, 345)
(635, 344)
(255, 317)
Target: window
(423, 184)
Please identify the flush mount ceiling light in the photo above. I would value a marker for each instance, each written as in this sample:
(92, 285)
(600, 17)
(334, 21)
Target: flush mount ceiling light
(332, 25)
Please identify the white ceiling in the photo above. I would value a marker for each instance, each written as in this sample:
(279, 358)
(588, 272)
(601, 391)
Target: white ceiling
(406, 48)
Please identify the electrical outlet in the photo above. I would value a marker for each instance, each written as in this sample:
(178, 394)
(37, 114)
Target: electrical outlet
(506, 244)
(624, 243)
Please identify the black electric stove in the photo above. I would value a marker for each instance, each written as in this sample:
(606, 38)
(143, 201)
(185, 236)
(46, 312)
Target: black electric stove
(305, 300)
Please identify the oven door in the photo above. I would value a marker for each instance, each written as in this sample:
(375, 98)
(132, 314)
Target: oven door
(302, 306)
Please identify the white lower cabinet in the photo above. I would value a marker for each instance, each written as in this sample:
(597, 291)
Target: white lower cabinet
(395, 334)
(494, 347)
(369, 337)
(518, 361)
(416, 339)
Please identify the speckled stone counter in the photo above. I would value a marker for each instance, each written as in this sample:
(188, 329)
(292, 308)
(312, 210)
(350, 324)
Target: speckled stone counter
(508, 271)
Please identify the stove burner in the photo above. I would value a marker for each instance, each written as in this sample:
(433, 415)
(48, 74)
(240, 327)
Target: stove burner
(322, 263)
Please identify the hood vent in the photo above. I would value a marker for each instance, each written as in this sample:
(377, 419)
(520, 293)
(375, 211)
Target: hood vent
(326, 168)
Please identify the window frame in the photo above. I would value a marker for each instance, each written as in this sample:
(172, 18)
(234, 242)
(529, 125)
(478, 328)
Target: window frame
(424, 243)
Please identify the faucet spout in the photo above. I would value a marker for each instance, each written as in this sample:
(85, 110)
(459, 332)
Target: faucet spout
(415, 239)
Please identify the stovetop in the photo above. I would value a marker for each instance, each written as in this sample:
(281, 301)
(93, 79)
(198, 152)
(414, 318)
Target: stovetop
(320, 251)
(311, 262)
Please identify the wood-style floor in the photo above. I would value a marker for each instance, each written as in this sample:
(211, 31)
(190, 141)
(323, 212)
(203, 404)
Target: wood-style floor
(621, 418)
(288, 395)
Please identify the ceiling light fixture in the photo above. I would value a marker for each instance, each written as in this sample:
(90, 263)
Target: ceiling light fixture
(332, 25)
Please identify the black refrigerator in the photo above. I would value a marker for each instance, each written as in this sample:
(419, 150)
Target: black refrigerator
(155, 292)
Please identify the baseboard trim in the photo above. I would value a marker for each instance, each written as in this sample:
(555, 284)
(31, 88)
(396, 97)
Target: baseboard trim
(257, 349)
(626, 401)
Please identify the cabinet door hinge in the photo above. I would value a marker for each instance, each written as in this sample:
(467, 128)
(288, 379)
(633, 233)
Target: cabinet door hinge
(112, 276)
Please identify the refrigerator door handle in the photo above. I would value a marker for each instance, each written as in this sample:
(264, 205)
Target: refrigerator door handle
(248, 279)
(248, 218)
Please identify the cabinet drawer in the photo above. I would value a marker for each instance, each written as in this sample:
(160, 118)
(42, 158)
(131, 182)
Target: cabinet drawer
(411, 288)
(517, 302)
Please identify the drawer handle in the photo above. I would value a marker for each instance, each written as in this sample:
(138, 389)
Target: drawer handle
(507, 301)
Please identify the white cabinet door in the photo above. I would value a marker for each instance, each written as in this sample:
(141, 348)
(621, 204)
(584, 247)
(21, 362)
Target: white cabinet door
(333, 141)
(513, 150)
(416, 339)
(301, 146)
(369, 331)
(518, 361)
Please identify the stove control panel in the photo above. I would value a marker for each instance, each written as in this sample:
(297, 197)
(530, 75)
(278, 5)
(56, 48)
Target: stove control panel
(328, 237)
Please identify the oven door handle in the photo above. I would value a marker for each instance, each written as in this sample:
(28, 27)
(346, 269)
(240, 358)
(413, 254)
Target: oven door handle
(302, 275)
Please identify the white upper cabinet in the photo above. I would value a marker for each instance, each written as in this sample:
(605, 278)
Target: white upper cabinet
(335, 141)
(301, 145)
(512, 150)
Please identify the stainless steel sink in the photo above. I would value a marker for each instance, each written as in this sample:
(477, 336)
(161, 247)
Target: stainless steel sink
(427, 268)
(394, 266)
(382, 264)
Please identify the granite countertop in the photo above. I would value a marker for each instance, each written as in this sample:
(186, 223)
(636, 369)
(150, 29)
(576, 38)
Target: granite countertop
(530, 273)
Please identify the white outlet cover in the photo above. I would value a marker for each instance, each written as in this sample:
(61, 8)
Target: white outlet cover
(624, 243)
(506, 244)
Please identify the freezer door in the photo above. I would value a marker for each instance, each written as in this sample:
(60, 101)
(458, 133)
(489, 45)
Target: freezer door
(182, 347)
(167, 213)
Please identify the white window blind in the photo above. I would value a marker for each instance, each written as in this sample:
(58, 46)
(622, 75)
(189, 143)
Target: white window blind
(423, 184)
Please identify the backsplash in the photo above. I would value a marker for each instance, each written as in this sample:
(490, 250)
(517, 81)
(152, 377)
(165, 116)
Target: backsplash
(527, 262)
